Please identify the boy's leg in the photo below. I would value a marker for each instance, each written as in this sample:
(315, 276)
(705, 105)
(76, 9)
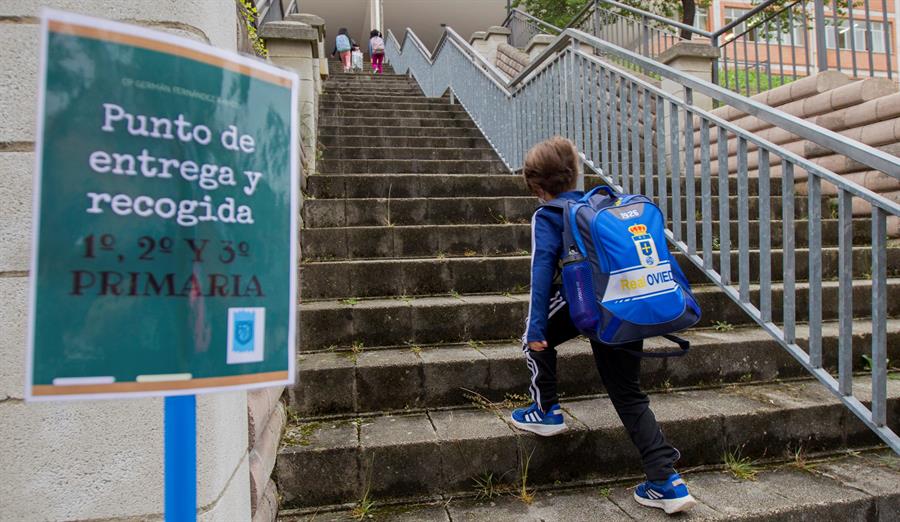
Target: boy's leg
(542, 364)
(621, 377)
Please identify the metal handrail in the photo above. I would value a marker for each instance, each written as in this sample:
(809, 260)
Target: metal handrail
(642, 139)
(516, 12)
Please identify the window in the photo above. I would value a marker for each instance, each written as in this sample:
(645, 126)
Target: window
(701, 18)
(858, 35)
(732, 14)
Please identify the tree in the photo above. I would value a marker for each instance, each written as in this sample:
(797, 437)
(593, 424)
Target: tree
(561, 12)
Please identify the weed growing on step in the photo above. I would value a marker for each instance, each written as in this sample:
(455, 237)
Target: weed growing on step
(723, 326)
(351, 301)
(300, 435)
(416, 349)
(440, 255)
(499, 218)
(507, 294)
(523, 493)
(520, 289)
(605, 492)
(473, 344)
(742, 468)
(487, 487)
(365, 505)
(405, 298)
(667, 386)
(470, 253)
(455, 294)
(799, 460)
(868, 362)
(747, 377)
(715, 243)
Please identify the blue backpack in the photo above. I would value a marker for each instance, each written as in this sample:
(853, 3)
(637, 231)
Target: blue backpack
(342, 42)
(619, 279)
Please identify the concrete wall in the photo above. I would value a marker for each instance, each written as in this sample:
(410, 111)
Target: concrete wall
(102, 459)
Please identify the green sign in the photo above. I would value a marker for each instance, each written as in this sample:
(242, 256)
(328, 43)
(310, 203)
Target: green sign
(165, 211)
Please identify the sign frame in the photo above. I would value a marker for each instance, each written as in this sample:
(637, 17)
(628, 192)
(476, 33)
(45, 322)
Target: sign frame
(156, 40)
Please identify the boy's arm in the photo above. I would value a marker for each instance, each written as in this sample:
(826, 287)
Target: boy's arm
(546, 245)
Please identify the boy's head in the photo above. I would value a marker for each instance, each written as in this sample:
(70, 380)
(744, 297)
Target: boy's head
(551, 167)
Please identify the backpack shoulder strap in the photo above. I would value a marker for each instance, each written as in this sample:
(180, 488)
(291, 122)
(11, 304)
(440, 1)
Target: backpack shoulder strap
(571, 243)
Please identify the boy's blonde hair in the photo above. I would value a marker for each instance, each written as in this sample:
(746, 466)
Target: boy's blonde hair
(552, 166)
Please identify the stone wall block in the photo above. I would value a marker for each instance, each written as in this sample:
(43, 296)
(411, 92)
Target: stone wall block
(260, 405)
(263, 454)
(15, 219)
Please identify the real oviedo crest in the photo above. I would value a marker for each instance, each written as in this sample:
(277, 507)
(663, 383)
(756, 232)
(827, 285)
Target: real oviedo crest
(643, 242)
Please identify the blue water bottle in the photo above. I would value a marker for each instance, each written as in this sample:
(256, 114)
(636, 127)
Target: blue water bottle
(578, 287)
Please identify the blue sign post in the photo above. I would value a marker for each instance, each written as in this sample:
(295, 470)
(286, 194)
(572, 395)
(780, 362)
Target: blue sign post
(181, 458)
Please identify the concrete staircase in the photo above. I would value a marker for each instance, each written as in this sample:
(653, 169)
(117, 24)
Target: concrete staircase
(414, 283)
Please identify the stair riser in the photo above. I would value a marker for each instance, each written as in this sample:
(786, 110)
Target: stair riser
(389, 142)
(385, 100)
(364, 150)
(411, 166)
(374, 89)
(333, 116)
(420, 211)
(511, 274)
(364, 123)
(435, 187)
(426, 321)
(318, 213)
(427, 104)
(422, 461)
(437, 376)
(446, 132)
(475, 240)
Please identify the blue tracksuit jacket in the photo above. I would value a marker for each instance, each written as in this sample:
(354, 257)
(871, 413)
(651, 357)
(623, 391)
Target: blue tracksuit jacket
(546, 251)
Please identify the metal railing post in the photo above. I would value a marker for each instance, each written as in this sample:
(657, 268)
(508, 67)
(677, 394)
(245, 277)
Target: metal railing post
(819, 24)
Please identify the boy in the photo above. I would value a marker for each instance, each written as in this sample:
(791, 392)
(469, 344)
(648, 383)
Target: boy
(551, 170)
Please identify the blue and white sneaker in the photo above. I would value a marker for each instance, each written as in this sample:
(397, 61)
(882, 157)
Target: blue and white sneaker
(534, 420)
(671, 495)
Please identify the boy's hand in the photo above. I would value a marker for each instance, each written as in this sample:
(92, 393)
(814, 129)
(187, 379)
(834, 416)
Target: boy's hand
(537, 346)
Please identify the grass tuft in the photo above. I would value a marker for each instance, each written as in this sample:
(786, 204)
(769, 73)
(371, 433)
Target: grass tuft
(350, 301)
(605, 492)
(723, 326)
(742, 468)
(487, 486)
(523, 492)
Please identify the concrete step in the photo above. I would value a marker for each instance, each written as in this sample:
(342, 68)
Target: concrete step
(365, 151)
(383, 99)
(443, 375)
(375, 89)
(448, 211)
(336, 186)
(417, 211)
(435, 186)
(361, 122)
(488, 240)
(425, 104)
(391, 142)
(391, 130)
(440, 452)
(460, 318)
(412, 166)
(500, 274)
(847, 485)
(328, 115)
